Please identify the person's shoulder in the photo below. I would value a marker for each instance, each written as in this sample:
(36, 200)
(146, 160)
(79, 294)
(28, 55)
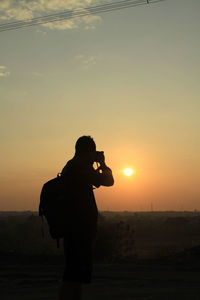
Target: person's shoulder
(69, 165)
(70, 162)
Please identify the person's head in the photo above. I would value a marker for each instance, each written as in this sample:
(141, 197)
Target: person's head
(85, 147)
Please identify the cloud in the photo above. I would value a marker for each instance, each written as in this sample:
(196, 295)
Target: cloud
(4, 72)
(86, 61)
(37, 74)
(41, 31)
(11, 10)
(87, 22)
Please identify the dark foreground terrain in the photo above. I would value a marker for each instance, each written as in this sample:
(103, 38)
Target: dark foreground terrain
(137, 256)
(171, 278)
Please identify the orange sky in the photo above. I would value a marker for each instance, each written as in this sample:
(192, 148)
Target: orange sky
(130, 79)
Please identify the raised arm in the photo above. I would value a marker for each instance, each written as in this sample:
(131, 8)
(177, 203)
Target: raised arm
(80, 173)
(105, 175)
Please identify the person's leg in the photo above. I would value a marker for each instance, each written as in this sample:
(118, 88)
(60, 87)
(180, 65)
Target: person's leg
(70, 290)
(78, 266)
(71, 286)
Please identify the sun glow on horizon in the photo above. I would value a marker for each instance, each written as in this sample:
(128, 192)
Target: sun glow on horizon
(128, 172)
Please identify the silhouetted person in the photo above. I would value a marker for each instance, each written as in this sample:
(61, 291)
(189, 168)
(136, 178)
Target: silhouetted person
(81, 177)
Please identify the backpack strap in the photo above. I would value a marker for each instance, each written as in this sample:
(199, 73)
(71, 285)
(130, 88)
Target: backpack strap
(58, 242)
(42, 226)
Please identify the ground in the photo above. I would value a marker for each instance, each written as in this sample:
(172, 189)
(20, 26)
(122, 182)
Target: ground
(154, 279)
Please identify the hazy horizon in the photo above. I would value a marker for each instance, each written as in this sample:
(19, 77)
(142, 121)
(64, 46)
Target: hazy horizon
(195, 211)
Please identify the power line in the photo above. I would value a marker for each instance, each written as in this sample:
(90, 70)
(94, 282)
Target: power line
(71, 14)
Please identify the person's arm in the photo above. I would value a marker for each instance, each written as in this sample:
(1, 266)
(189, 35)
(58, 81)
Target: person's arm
(84, 174)
(104, 175)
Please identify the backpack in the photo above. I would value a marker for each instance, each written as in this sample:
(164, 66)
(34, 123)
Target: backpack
(53, 206)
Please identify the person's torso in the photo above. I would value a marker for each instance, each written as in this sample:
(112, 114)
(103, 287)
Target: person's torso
(81, 200)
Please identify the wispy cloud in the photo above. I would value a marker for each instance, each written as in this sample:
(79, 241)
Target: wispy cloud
(38, 74)
(4, 72)
(41, 31)
(25, 9)
(86, 61)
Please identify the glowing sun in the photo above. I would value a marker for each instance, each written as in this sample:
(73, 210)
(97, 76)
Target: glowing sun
(128, 172)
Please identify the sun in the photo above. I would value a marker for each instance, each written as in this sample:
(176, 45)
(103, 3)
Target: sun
(128, 172)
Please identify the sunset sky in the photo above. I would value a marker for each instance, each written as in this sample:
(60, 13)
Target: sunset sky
(128, 78)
